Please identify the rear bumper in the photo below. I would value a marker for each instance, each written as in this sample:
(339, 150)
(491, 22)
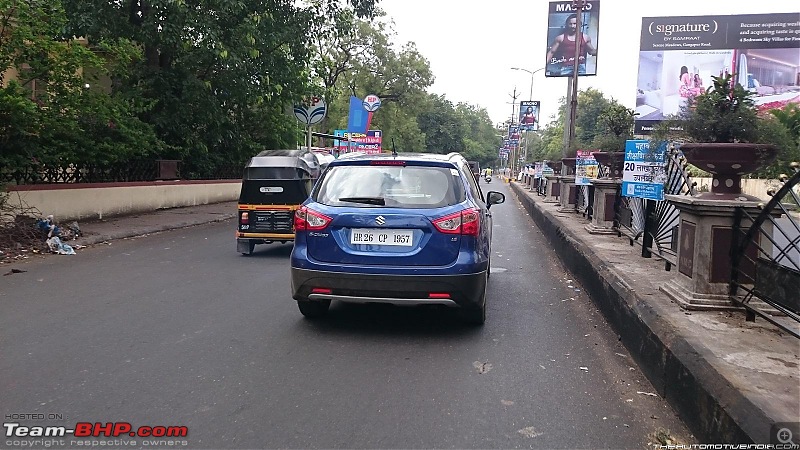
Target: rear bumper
(265, 236)
(465, 290)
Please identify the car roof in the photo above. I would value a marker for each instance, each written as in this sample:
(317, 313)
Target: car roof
(420, 157)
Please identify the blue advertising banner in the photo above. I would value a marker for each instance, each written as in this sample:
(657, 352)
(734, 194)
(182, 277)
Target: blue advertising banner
(358, 116)
(644, 170)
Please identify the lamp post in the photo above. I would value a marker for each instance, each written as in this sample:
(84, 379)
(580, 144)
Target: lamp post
(530, 96)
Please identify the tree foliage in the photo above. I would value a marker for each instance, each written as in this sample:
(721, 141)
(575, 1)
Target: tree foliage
(47, 116)
(210, 82)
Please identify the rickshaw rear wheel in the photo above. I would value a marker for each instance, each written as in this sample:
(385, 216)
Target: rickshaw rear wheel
(250, 245)
(313, 309)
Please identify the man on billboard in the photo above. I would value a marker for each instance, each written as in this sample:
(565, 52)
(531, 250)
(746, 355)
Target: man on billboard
(528, 113)
(561, 54)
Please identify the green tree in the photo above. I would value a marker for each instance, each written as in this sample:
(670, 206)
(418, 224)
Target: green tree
(616, 123)
(591, 104)
(214, 73)
(47, 114)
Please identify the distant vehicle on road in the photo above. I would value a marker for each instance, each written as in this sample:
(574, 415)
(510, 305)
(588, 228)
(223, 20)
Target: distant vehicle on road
(408, 229)
(274, 184)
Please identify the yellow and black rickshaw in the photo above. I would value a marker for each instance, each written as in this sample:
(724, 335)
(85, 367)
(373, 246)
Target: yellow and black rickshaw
(274, 185)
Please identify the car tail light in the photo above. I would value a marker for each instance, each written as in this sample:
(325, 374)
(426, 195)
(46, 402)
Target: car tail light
(438, 295)
(466, 222)
(308, 219)
(244, 218)
(470, 222)
(321, 291)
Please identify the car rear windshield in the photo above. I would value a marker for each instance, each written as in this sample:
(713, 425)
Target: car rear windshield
(394, 186)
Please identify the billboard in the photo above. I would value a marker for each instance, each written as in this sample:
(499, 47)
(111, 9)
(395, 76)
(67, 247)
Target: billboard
(529, 115)
(562, 34)
(369, 142)
(679, 55)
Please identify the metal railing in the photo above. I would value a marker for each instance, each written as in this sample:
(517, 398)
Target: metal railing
(655, 222)
(584, 196)
(765, 255)
(127, 171)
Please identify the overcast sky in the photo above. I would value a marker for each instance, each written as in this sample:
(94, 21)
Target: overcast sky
(472, 44)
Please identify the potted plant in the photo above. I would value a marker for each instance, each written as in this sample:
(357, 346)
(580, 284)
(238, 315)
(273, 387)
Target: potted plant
(721, 132)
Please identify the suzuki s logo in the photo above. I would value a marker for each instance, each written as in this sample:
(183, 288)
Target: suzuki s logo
(380, 220)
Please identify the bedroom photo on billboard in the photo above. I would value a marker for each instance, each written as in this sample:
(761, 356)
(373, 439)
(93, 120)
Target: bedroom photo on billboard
(669, 79)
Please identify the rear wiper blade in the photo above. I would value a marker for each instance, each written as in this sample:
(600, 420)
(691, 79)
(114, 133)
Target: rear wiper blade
(367, 200)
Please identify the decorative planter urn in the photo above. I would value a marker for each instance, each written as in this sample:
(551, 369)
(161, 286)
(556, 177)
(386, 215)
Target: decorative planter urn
(708, 225)
(615, 162)
(727, 162)
(567, 184)
(570, 164)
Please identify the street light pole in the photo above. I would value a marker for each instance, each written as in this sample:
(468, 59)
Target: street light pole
(530, 95)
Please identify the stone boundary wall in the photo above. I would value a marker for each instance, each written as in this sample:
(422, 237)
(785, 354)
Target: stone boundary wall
(82, 201)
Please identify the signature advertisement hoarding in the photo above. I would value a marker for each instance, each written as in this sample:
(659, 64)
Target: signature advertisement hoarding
(585, 167)
(644, 170)
(369, 142)
(529, 115)
(679, 55)
(562, 35)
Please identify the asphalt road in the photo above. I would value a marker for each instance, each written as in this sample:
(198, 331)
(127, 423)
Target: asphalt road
(177, 329)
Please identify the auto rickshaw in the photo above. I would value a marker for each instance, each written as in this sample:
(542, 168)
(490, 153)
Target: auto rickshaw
(274, 185)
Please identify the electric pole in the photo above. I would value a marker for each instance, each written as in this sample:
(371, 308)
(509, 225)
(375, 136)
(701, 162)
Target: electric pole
(515, 151)
(572, 86)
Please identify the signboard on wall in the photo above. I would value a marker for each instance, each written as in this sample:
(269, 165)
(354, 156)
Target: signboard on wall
(644, 171)
(679, 55)
(369, 142)
(586, 167)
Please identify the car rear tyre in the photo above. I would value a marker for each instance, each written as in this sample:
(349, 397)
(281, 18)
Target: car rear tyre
(476, 316)
(313, 309)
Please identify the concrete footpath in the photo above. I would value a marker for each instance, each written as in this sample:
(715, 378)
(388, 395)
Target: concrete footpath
(121, 227)
(731, 381)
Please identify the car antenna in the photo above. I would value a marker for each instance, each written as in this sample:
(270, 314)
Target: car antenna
(394, 151)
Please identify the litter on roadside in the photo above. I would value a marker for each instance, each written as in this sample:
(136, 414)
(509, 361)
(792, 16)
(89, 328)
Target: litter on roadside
(56, 246)
(647, 393)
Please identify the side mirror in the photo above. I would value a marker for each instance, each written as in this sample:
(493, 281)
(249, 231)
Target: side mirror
(493, 198)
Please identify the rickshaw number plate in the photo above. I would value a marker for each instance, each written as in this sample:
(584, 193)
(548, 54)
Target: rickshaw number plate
(271, 189)
(402, 238)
